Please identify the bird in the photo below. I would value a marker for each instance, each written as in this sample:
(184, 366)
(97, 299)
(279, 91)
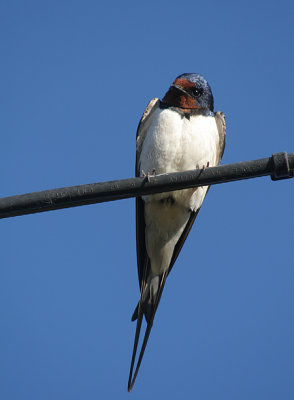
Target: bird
(178, 133)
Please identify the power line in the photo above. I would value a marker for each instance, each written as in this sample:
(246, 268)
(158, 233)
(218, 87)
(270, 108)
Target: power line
(278, 166)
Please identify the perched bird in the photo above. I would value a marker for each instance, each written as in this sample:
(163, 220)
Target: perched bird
(179, 133)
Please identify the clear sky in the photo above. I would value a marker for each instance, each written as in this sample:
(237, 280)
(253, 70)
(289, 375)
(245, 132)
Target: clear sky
(76, 77)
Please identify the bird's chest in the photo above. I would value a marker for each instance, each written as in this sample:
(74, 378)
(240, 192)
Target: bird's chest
(175, 143)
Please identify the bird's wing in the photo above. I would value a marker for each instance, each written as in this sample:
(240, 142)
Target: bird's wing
(142, 258)
(221, 127)
(142, 128)
(183, 237)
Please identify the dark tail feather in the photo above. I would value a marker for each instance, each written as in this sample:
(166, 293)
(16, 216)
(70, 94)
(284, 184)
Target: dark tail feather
(139, 314)
(146, 307)
(137, 335)
(135, 314)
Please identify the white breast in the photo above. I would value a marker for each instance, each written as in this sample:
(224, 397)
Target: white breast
(174, 143)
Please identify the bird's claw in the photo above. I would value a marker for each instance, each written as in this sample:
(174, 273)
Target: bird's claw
(203, 166)
(148, 175)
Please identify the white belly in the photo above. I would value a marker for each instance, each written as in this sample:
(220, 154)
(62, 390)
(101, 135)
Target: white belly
(174, 143)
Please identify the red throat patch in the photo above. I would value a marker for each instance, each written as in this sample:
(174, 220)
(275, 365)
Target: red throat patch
(174, 97)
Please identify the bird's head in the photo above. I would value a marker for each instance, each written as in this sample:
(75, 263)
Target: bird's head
(189, 91)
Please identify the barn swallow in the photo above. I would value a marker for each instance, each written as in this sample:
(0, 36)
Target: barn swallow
(179, 133)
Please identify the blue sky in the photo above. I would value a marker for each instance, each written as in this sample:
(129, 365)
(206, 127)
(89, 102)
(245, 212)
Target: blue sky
(75, 78)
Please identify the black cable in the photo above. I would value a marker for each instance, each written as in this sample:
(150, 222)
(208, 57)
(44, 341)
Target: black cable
(279, 166)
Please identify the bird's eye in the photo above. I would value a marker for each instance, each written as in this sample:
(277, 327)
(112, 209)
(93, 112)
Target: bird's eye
(197, 92)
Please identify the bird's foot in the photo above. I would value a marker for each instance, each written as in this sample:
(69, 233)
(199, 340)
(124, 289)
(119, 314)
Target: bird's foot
(203, 166)
(148, 175)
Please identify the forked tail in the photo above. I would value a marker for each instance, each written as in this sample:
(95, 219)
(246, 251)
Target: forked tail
(140, 312)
